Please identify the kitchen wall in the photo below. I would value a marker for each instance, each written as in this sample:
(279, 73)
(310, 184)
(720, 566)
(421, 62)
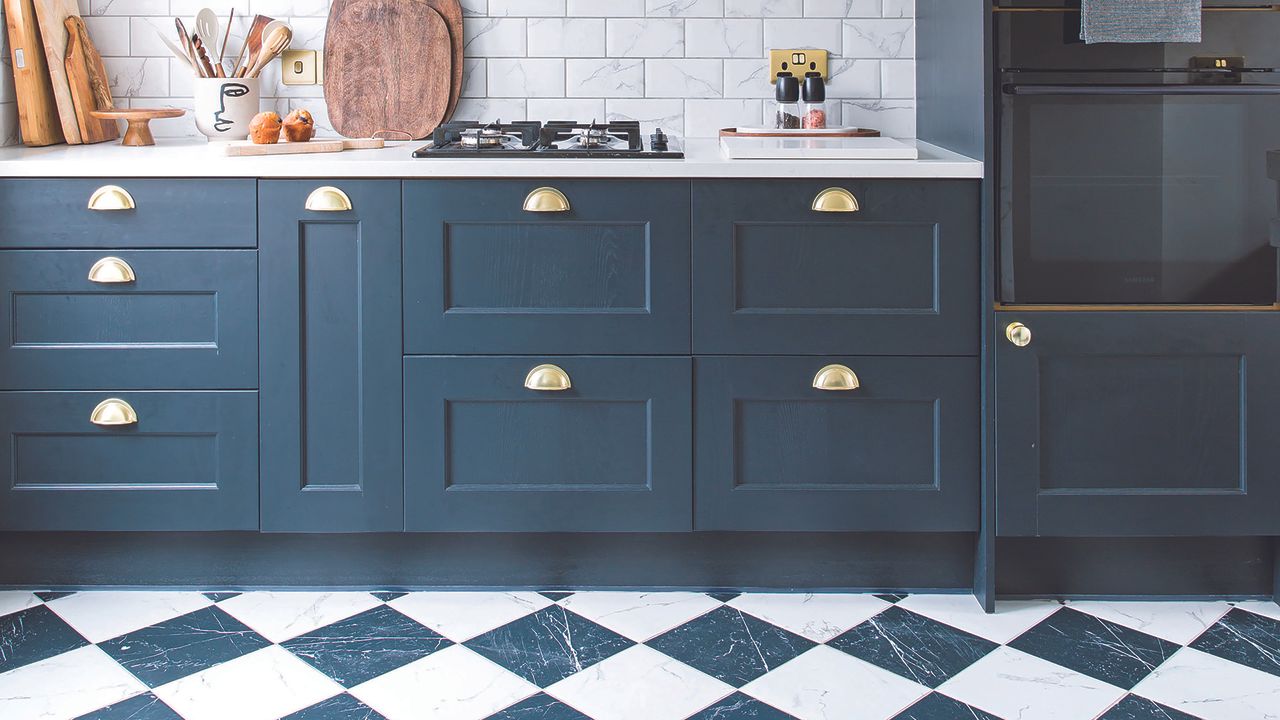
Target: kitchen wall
(691, 66)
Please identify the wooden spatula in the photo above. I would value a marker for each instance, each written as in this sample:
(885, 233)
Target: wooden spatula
(252, 43)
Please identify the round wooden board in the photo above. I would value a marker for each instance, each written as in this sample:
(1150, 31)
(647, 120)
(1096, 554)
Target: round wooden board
(388, 66)
(451, 12)
(832, 133)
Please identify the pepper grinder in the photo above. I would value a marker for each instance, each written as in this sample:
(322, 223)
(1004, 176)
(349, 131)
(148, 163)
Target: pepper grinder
(787, 93)
(815, 102)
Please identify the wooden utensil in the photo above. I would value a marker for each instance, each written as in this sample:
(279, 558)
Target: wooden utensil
(37, 107)
(202, 56)
(451, 12)
(178, 51)
(277, 41)
(252, 43)
(222, 51)
(207, 29)
(246, 149)
(53, 36)
(185, 39)
(388, 65)
(87, 81)
(137, 131)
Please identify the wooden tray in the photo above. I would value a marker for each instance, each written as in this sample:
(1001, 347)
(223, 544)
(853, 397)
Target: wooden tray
(827, 133)
(245, 148)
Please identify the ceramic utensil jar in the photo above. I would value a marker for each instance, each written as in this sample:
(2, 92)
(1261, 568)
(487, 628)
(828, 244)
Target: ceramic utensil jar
(224, 106)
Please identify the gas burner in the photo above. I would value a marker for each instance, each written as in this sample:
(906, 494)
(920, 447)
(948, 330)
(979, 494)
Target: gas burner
(485, 137)
(593, 136)
(558, 139)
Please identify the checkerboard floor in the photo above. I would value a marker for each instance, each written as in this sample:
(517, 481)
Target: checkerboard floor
(628, 656)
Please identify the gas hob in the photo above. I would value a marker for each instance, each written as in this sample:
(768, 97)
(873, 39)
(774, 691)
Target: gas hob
(556, 139)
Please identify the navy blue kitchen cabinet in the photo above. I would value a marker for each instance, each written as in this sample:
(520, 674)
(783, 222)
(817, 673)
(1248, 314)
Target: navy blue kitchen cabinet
(1137, 423)
(128, 213)
(836, 443)
(535, 444)
(176, 319)
(331, 351)
(129, 460)
(527, 267)
(861, 268)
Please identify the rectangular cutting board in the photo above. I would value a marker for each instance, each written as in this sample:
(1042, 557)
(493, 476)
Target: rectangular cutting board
(52, 16)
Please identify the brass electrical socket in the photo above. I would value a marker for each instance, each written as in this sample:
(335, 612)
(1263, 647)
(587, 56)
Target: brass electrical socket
(798, 62)
(299, 67)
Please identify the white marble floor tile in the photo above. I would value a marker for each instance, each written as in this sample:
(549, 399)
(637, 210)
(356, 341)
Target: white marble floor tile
(639, 683)
(11, 601)
(100, 616)
(1179, 622)
(826, 684)
(461, 616)
(1212, 688)
(279, 616)
(65, 686)
(263, 685)
(640, 616)
(1268, 608)
(817, 617)
(453, 684)
(1012, 684)
(1010, 619)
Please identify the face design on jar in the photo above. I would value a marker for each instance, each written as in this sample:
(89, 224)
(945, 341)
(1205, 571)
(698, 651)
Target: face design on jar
(228, 90)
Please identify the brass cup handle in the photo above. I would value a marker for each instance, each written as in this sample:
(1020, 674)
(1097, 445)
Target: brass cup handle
(111, 270)
(836, 200)
(328, 199)
(1018, 334)
(111, 197)
(548, 378)
(113, 412)
(546, 200)
(836, 378)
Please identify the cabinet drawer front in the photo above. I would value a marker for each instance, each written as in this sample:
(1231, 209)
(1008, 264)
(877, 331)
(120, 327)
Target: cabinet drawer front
(609, 275)
(1138, 424)
(899, 276)
(609, 454)
(206, 213)
(189, 462)
(188, 319)
(899, 452)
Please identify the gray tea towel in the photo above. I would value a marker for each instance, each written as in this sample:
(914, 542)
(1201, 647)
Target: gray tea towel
(1140, 21)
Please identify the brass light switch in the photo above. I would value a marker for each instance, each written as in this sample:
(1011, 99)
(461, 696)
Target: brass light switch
(798, 62)
(298, 67)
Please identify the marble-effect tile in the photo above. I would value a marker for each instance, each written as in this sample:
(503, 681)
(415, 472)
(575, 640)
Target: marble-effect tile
(1244, 638)
(183, 646)
(913, 646)
(367, 645)
(731, 646)
(1095, 647)
(549, 645)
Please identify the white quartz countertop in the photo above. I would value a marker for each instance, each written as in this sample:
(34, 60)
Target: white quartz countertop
(703, 159)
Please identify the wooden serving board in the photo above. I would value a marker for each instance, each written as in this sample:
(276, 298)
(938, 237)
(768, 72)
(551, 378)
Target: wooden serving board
(37, 107)
(828, 133)
(388, 66)
(248, 149)
(52, 14)
(87, 81)
(451, 12)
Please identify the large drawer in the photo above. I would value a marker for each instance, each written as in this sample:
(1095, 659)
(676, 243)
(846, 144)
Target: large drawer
(56, 213)
(189, 462)
(187, 319)
(897, 450)
(608, 275)
(895, 273)
(484, 452)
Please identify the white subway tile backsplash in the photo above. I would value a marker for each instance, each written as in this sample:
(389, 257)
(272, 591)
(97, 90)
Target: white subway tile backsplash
(688, 66)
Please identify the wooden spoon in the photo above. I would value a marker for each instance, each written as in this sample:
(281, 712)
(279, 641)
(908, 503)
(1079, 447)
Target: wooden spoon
(276, 43)
(253, 43)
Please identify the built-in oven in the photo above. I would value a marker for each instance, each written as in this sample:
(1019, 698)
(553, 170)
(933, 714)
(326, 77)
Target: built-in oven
(1136, 173)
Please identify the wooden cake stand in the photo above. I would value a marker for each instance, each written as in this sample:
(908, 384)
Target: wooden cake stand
(138, 130)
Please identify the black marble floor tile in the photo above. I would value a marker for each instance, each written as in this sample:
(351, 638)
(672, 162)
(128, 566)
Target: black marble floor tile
(220, 596)
(184, 645)
(1246, 638)
(555, 595)
(730, 645)
(891, 597)
(367, 645)
(913, 646)
(140, 707)
(741, 707)
(723, 597)
(1132, 707)
(539, 707)
(32, 635)
(1095, 647)
(339, 707)
(47, 596)
(388, 596)
(549, 645)
(940, 707)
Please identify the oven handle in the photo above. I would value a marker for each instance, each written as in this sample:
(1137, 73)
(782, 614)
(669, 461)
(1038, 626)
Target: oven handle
(1114, 89)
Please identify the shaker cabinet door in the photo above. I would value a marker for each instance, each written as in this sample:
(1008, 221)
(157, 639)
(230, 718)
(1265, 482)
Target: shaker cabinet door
(1138, 423)
(331, 349)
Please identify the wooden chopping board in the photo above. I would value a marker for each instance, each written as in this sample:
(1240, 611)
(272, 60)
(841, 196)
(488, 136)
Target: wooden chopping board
(37, 108)
(87, 80)
(51, 15)
(451, 12)
(388, 65)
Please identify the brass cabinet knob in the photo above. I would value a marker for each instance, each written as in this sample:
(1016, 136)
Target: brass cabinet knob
(328, 199)
(547, 378)
(836, 378)
(113, 412)
(111, 270)
(836, 200)
(111, 197)
(1018, 334)
(546, 199)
